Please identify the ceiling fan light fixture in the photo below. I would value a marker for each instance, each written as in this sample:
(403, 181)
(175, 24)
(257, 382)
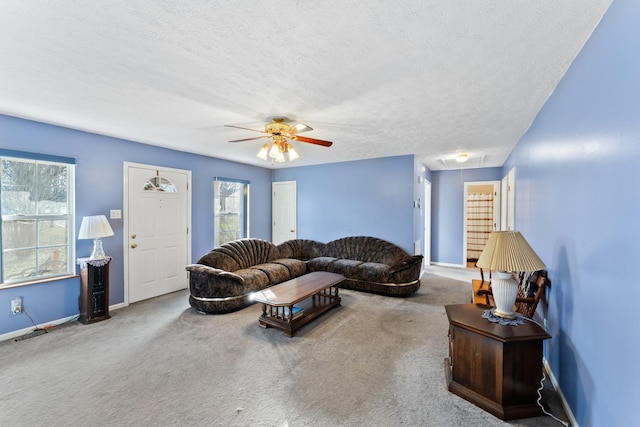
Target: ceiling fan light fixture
(279, 149)
(293, 154)
(263, 151)
(273, 153)
(462, 157)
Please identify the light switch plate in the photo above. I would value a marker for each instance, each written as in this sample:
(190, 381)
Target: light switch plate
(116, 214)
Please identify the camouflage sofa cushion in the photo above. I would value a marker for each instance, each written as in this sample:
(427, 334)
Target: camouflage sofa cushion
(369, 264)
(223, 279)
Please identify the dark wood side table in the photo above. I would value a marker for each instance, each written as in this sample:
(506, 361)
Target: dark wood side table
(94, 289)
(496, 367)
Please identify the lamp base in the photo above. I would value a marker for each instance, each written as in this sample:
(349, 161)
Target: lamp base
(511, 315)
(98, 252)
(505, 291)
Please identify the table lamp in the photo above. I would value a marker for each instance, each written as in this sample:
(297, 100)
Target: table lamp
(507, 252)
(95, 227)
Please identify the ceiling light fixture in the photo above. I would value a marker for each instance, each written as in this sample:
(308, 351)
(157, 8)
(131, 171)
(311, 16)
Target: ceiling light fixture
(277, 150)
(462, 157)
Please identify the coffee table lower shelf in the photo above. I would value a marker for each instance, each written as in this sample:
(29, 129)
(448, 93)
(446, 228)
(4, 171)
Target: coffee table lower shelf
(312, 308)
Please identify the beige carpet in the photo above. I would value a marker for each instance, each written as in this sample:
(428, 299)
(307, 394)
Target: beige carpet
(374, 361)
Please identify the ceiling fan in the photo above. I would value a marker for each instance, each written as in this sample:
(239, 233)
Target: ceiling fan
(280, 132)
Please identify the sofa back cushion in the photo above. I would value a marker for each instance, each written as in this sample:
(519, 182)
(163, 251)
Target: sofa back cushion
(367, 249)
(302, 249)
(239, 254)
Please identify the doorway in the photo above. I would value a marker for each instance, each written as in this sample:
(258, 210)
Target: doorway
(157, 223)
(481, 217)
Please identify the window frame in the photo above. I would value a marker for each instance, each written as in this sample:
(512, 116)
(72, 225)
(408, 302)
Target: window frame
(41, 159)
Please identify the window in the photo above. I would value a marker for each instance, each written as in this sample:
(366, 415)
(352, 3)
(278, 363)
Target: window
(160, 184)
(36, 204)
(231, 210)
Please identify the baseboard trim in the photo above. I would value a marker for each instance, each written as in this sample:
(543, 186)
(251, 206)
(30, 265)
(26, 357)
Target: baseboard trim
(563, 400)
(446, 264)
(117, 306)
(47, 325)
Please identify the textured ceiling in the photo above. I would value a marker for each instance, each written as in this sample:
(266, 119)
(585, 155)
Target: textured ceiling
(378, 78)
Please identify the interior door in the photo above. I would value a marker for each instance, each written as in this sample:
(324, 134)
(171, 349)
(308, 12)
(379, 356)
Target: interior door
(284, 211)
(157, 223)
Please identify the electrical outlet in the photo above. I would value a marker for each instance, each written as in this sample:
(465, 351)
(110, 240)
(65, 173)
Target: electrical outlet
(16, 305)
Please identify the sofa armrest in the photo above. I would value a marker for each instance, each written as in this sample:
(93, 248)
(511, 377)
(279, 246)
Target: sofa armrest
(205, 269)
(406, 263)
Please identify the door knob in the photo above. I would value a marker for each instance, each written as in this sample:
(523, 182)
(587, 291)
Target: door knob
(133, 236)
(134, 245)
(292, 230)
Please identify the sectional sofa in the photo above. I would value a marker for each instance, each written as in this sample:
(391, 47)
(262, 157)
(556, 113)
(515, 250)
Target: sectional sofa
(223, 279)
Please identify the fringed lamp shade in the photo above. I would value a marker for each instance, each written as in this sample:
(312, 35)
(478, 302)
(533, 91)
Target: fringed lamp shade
(506, 252)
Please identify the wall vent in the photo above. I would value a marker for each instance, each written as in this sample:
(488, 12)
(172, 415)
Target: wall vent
(472, 162)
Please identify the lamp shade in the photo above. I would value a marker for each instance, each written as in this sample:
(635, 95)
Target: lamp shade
(509, 251)
(95, 227)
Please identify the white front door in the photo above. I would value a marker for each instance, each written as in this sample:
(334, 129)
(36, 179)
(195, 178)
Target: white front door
(157, 223)
(283, 211)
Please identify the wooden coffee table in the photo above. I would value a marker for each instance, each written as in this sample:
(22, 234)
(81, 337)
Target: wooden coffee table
(296, 302)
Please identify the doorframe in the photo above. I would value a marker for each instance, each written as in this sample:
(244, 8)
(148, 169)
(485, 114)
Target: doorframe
(496, 211)
(125, 216)
(427, 224)
(508, 205)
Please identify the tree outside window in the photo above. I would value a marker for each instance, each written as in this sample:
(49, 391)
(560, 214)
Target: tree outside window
(231, 213)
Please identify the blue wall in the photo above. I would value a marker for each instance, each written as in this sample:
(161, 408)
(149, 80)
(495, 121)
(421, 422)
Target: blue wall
(99, 188)
(360, 198)
(447, 222)
(577, 201)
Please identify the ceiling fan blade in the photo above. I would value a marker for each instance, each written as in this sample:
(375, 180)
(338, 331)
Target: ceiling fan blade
(240, 127)
(251, 139)
(313, 141)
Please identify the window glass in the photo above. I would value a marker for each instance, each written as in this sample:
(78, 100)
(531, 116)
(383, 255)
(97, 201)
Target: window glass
(159, 183)
(231, 213)
(35, 204)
